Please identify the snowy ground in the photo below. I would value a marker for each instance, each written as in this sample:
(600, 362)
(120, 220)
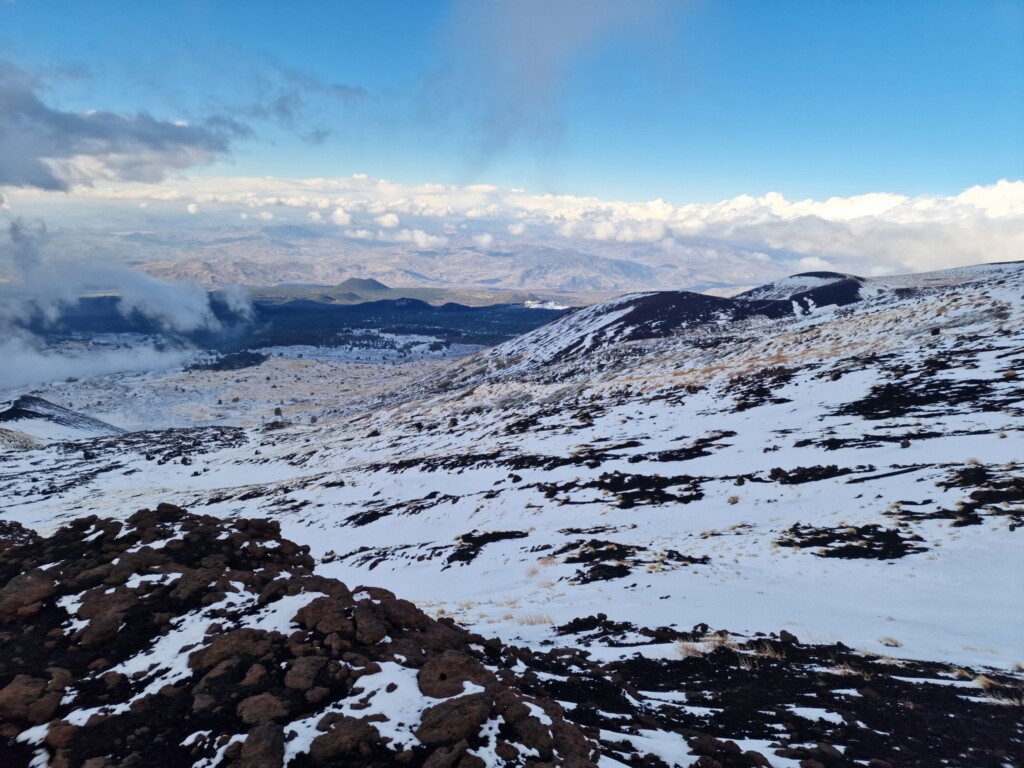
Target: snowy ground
(637, 482)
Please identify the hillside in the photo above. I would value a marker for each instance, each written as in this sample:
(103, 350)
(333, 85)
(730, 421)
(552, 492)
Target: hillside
(802, 501)
(41, 420)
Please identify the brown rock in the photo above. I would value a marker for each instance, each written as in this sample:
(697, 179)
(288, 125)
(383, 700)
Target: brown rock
(402, 613)
(327, 615)
(202, 702)
(454, 719)
(506, 751)
(262, 708)
(370, 629)
(705, 745)
(24, 590)
(60, 733)
(25, 698)
(96, 603)
(101, 630)
(218, 671)
(445, 675)
(239, 642)
(255, 673)
(263, 748)
(192, 583)
(446, 757)
(533, 733)
(828, 750)
(343, 736)
(303, 672)
(317, 694)
(60, 678)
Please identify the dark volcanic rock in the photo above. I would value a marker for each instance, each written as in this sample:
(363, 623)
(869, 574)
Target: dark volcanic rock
(220, 640)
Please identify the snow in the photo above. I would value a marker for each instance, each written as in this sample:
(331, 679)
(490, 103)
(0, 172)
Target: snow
(955, 601)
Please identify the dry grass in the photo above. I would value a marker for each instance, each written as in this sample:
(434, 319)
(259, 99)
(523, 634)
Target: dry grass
(769, 651)
(846, 668)
(890, 642)
(746, 662)
(689, 650)
(987, 682)
(536, 619)
(1013, 698)
(733, 500)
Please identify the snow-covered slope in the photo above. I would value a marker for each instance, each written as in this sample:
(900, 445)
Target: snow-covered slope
(847, 472)
(794, 284)
(44, 421)
(662, 314)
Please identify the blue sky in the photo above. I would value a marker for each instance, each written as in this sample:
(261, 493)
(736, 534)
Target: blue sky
(688, 101)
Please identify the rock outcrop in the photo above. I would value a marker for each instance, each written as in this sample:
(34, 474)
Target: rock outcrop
(178, 640)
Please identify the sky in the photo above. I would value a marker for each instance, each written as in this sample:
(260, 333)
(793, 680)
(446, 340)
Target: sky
(688, 101)
(752, 137)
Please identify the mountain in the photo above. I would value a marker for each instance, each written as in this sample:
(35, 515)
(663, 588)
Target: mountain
(663, 314)
(784, 523)
(42, 420)
(274, 256)
(360, 286)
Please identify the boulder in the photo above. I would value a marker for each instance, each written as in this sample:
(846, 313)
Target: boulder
(454, 719)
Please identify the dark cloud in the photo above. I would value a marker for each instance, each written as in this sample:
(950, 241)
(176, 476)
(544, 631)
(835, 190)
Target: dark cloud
(44, 147)
(292, 99)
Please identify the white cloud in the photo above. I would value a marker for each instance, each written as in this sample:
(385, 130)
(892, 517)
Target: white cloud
(315, 216)
(422, 240)
(192, 208)
(359, 234)
(814, 263)
(265, 216)
(865, 233)
(484, 241)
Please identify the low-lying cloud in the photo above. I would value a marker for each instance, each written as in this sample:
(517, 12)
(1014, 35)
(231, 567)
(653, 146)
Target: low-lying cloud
(28, 361)
(874, 233)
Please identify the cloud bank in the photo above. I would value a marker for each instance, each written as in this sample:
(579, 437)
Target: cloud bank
(875, 233)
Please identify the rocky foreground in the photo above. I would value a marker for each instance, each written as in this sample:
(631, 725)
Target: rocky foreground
(179, 640)
(173, 639)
